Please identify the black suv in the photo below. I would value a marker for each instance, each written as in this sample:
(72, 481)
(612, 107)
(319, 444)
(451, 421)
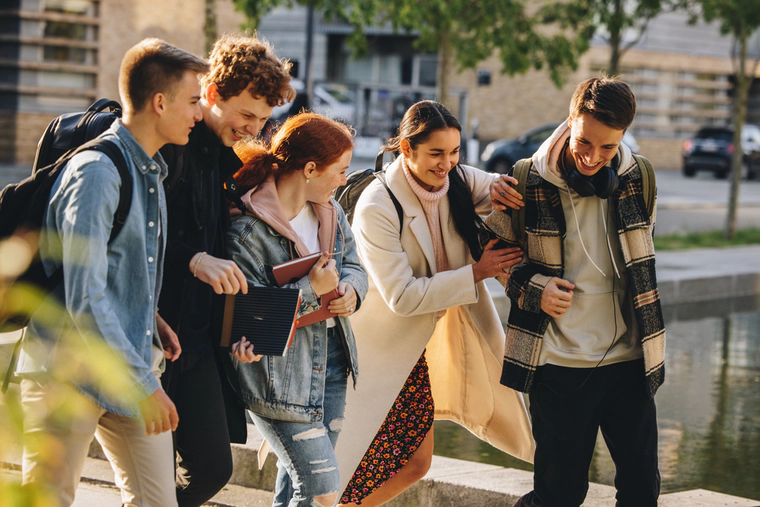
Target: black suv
(711, 149)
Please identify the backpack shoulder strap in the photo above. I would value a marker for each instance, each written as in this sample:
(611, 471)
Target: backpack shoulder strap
(520, 173)
(648, 182)
(125, 191)
(380, 174)
(399, 210)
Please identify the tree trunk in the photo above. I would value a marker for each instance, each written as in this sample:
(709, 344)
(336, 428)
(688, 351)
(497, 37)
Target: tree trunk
(209, 25)
(444, 63)
(741, 91)
(616, 35)
(308, 67)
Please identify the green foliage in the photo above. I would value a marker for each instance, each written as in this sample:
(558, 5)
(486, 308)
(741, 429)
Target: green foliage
(608, 18)
(736, 17)
(711, 239)
(474, 29)
(739, 19)
(81, 357)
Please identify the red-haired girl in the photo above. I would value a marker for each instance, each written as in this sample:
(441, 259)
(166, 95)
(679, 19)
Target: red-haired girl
(298, 400)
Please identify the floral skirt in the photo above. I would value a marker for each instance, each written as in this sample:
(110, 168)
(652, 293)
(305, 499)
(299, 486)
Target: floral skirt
(405, 427)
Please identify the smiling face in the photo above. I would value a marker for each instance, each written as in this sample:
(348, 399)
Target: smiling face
(322, 183)
(180, 110)
(234, 118)
(431, 161)
(592, 143)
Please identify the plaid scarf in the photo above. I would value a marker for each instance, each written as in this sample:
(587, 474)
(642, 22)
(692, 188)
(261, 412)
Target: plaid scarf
(543, 244)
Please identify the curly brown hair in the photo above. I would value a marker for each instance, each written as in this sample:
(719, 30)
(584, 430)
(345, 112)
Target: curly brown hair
(239, 62)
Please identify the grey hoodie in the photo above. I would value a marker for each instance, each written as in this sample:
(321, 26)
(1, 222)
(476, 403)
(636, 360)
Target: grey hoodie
(601, 311)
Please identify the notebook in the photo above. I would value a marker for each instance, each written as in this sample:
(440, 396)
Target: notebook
(292, 271)
(266, 316)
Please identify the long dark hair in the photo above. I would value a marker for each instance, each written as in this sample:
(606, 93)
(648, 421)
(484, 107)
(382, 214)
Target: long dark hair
(419, 123)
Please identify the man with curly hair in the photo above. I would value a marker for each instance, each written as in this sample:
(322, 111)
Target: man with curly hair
(246, 81)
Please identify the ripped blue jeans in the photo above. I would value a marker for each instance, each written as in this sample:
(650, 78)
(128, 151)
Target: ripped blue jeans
(307, 466)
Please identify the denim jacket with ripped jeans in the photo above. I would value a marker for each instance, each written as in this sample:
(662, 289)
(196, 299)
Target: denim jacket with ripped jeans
(291, 387)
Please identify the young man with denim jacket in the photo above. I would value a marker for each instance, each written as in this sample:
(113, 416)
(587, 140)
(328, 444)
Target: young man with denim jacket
(246, 80)
(110, 293)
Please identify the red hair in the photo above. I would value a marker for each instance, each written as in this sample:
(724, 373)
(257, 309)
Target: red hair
(303, 138)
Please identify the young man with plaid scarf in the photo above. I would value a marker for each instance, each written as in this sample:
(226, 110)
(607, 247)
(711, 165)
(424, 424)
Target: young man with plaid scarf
(585, 336)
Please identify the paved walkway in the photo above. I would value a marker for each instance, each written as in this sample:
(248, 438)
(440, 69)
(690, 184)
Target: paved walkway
(713, 278)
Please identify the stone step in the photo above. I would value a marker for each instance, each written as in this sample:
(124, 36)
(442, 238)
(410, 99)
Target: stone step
(455, 483)
(97, 489)
(449, 483)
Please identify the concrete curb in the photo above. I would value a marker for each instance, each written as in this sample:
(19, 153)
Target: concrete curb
(692, 283)
(455, 483)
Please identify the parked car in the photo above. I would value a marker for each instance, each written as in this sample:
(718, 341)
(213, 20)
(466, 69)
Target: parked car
(499, 156)
(712, 147)
(330, 99)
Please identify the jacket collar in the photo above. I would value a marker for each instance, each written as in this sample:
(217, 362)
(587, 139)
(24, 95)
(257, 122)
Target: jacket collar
(142, 162)
(264, 202)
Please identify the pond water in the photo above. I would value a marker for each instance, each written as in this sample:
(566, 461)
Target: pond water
(708, 412)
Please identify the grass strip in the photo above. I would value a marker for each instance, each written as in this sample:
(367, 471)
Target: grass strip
(710, 239)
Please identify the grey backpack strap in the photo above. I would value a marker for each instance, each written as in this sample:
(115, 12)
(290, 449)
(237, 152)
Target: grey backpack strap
(520, 173)
(648, 182)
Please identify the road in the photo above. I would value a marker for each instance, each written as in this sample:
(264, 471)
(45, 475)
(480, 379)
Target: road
(701, 203)
(685, 204)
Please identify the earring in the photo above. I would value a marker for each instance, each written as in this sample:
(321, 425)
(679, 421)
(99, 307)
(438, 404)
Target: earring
(307, 180)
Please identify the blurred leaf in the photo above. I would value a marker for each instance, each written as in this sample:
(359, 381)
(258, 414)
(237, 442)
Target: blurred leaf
(81, 357)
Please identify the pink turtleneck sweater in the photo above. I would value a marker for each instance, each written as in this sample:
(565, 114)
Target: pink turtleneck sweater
(429, 201)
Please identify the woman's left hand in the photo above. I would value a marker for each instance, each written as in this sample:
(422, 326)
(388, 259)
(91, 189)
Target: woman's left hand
(243, 351)
(496, 262)
(503, 194)
(345, 305)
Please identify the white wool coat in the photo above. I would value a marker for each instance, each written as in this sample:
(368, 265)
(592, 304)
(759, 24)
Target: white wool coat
(398, 318)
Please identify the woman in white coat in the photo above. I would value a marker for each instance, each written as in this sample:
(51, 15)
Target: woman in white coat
(428, 324)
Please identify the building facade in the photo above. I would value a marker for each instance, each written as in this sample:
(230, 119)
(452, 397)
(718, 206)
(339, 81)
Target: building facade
(58, 56)
(681, 74)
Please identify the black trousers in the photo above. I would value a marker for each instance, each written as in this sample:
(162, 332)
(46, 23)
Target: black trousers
(202, 440)
(567, 414)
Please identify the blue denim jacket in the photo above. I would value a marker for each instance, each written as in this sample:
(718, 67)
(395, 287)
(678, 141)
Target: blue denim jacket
(112, 289)
(291, 387)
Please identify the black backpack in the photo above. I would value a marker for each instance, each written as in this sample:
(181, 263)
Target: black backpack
(23, 205)
(521, 170)
(348, 194)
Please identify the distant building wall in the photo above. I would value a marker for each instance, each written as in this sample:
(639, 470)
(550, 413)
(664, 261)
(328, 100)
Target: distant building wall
(680, 74)
(58, 56)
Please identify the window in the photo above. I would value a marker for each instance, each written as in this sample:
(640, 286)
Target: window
(407, 69)
(540, 136)
(64, 54)
(428, 72)
(82, 7)
(61, 30)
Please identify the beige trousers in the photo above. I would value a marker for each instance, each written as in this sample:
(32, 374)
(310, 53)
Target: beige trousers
(55, 450)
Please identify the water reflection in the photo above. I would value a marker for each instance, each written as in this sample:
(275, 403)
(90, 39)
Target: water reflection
(708, 411)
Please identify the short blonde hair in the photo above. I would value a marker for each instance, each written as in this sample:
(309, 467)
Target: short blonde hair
(153, 66)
